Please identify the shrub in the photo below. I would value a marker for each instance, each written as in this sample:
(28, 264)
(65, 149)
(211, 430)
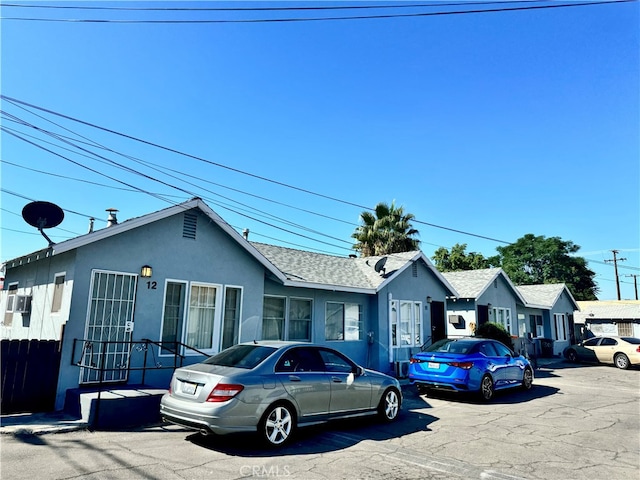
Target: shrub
(495, 331)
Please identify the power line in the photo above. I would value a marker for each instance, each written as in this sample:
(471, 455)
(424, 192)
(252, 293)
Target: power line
(287, 20)
(260, 9)
(236, 170)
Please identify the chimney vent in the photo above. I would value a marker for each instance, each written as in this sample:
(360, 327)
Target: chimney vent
(111, 219)
(91, 222)
(245, 233)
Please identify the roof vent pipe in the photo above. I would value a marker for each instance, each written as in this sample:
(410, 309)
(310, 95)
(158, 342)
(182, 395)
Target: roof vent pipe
(245, 233)
(111, 219)
(91, 222)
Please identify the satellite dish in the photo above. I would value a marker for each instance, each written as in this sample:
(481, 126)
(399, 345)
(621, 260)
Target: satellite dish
(379, 266)
(43, 215)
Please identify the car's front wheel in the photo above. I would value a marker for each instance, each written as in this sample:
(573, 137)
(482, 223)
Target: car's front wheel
(389, 406)
(486, 388)
(621, 361)
(527, 379)
(277, 425)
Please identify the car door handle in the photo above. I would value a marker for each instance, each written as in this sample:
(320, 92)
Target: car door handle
(294, 378)
(336, 379)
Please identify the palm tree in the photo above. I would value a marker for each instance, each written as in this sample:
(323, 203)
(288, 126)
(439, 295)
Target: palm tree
(388, 231)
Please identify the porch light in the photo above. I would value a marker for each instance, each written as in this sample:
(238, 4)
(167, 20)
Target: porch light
(146, 271)
(429, 299)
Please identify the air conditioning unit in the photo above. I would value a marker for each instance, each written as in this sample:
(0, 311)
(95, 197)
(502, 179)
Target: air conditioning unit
(402, 369)
(23, 304)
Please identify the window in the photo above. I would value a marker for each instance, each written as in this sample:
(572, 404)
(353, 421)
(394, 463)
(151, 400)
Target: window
(11, 296)
(560, 330)
(58, 288)
(592, 342)
(300, 360)
(625, 329)
(501, 349)
(273, 318)
(503, 317)
(406, 323)
(203, 300)
(172, 318)
(343, 321)
(608, 342)
(536, 325)
(333, 362)
(231, 317)
(299, 319)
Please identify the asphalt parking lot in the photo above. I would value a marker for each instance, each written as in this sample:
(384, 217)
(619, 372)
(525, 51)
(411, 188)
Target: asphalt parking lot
(578, 422)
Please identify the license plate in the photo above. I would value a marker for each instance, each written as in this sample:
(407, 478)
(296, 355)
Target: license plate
(433, 366)
(189, 388)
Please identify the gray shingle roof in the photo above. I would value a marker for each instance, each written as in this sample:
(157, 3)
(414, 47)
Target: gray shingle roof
(317, 268)
(471, 283)
(544, 295)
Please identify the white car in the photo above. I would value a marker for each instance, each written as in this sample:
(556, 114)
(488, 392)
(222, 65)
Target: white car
(619, 351)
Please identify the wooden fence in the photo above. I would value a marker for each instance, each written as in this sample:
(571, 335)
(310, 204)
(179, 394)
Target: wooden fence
(29, 375)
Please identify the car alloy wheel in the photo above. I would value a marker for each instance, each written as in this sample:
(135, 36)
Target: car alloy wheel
(389, 405)
(486, 388)
(277, 425)
(527, 379)
(572, 356)
(621, 361)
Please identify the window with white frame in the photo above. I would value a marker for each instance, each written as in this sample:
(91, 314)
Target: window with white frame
(299, 319)
(11, 296)
(343, 321)
(231, 317)
(273, 309)
(173, 316)
(286, 318)
(406, 323)
(58, 290)
(503, 317)
(560, 326)
(203, 312)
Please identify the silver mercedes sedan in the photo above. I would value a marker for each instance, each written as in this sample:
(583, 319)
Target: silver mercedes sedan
(275, 387)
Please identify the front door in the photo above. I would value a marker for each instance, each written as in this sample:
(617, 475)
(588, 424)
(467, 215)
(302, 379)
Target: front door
(438, 325)
(109, 327)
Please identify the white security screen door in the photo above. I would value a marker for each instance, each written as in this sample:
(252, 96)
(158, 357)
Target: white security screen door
(109, 319)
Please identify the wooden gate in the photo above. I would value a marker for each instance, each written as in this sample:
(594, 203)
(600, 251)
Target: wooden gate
(29, 375)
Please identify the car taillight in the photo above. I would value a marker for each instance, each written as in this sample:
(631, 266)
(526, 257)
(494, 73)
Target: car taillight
(224, 391)
(638, 349)
(415, 360)
(463, 365)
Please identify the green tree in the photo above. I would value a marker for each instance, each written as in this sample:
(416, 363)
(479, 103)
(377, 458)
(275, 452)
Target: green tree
(387, 230)
(534, 260)
(457, 259)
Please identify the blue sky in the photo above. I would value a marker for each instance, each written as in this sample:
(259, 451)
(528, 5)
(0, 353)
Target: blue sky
(491, 125)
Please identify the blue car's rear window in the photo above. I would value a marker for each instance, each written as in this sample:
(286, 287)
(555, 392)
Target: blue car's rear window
(452, 346)
(241, 356)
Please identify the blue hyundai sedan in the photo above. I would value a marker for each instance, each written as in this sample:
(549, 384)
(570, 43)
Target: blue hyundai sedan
(477, 365)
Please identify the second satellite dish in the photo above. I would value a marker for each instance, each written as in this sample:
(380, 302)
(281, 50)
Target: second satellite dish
(379, 266)
(43, 215)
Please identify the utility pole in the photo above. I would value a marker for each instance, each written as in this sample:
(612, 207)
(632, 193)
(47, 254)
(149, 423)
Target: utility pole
(615, 267)
(635, 283)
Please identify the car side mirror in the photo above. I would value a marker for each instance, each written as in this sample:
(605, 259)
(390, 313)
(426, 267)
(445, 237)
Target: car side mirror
(358, 371)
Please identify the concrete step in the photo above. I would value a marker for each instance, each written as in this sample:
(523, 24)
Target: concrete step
(114, 408)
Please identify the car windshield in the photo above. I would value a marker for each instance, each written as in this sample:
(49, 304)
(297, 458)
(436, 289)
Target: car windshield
(451, 346)
(241, 356)
(635, 341)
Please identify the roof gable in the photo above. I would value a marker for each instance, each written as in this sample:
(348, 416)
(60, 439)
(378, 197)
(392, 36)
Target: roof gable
(473, 283)
(137, 222)
(545, 295)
